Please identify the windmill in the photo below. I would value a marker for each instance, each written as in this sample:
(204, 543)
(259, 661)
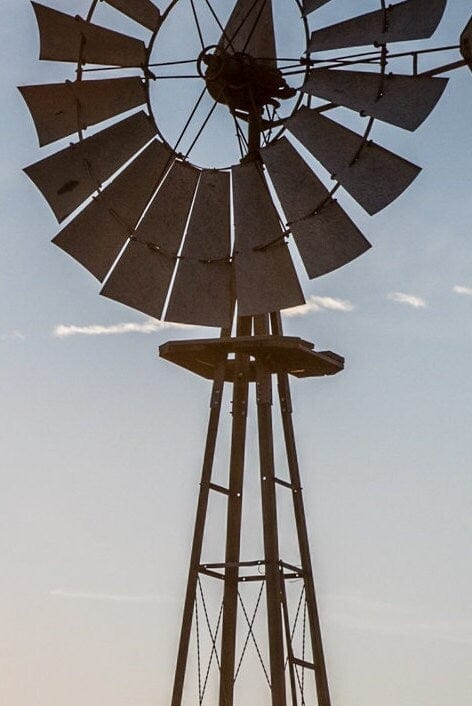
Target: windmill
(195, 244)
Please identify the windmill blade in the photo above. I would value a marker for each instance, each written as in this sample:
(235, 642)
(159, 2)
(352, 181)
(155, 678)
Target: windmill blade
(67, 38)
(325, 235)
(466, 43)
(312, 5)
(95, 237)
(70, 176)
(405, 21)
(265, 275)
(250, 29)
(404, 101)
(59, 109)
(202, 291)
(371, 174)
(142, 275)
(142, 11)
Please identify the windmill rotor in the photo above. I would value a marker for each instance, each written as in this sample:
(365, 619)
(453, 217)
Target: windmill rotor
(207, 149)
(122, 175)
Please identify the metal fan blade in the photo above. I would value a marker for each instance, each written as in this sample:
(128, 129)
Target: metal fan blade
(95, 237)
(265, 275)
(404, 101)
(466, 43)
(202, 291)
(70, 176)
(142, 11)
(142, 275)
(325, 235)
(312, 5)
(371, 174)
(405, 21)
(59, 109)
(250, 29)
(67, 38)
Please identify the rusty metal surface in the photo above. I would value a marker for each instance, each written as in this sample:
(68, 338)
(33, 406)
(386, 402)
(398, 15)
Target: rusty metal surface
(202, 290)
(142, 275)
(404, 21)
(373, 175)
(95, 237)
(67, 38)
(325, 235)
(69, 177)
(250, 29)
(60, 109)
(265, 275)
(142, 11)
(404, 101)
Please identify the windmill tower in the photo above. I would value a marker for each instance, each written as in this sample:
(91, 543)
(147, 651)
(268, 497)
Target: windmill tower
(213, 246)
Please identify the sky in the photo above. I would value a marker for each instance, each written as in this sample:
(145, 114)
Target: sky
(101, 442)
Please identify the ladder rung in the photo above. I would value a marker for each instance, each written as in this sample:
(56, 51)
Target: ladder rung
(219, 488)
(302, 663)
(285, 483)
(297, 569)
(208, 572)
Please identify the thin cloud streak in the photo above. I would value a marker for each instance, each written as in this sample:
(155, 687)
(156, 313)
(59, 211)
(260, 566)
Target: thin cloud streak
(113, 597)
(13, 336)
(386, 619)
(460, 289)
(315, 304)
(408, 299)
(148, 326)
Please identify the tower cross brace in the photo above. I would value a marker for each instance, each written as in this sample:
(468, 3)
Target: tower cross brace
(261, 352)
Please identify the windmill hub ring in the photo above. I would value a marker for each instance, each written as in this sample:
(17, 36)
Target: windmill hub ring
(239, 81)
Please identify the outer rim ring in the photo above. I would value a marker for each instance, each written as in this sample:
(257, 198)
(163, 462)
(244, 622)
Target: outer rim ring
(147, 78)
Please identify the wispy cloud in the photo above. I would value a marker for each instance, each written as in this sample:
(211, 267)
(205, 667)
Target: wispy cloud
(409, 299)
(114, 597)
(460, 289)
(315, 304)
(148, 326)
(383, 618)
(12, 336)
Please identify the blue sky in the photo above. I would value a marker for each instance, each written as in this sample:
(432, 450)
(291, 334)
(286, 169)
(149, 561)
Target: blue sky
(102, 442)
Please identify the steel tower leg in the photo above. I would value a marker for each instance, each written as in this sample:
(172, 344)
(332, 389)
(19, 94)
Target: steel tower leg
(322, 687)
(252, 363)
(270, 526)
(195, 557)
(233, 525)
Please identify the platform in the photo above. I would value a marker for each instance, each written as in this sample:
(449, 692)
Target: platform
(278, 354)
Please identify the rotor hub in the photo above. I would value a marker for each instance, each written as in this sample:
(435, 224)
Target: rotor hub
(241, 82)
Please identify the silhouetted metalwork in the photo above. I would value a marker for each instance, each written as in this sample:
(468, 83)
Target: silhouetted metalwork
(194, 245)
